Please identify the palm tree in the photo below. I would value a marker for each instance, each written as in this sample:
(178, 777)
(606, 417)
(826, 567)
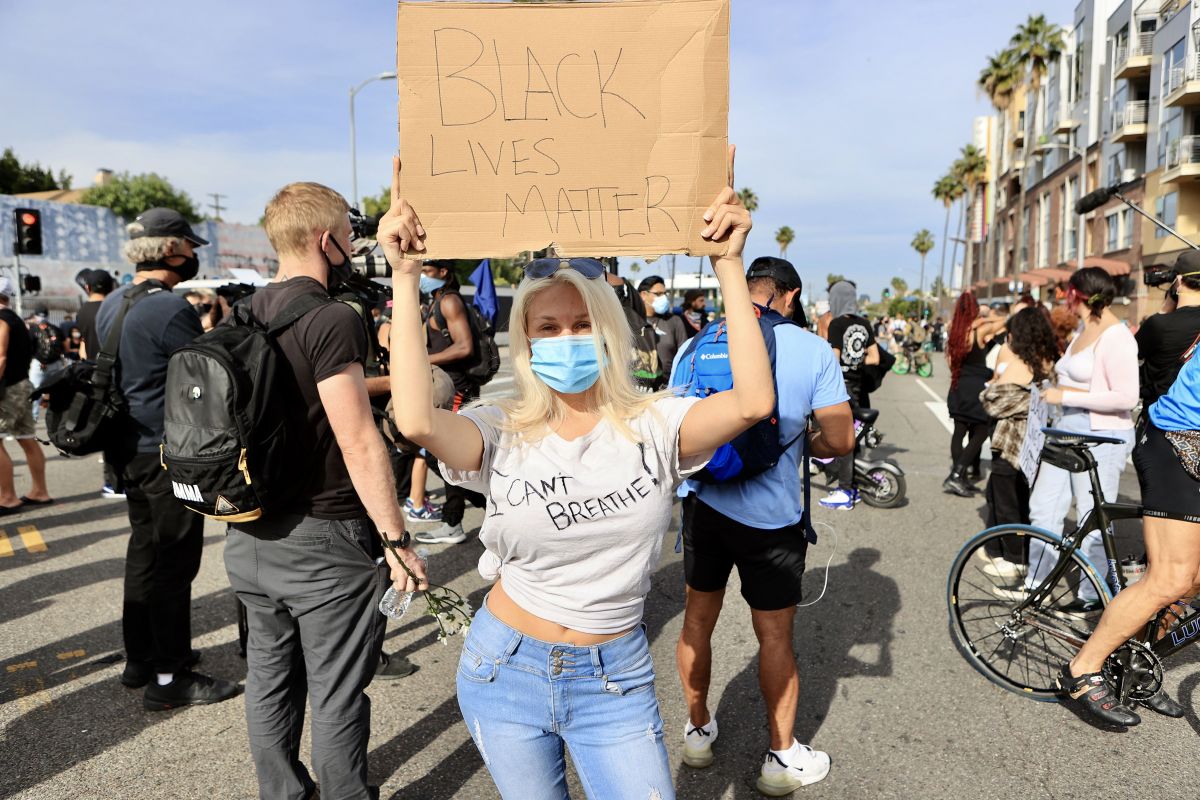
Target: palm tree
(922, 242)
(949, 190)
(971, 170)
(1000, 78)
(784, 237)
(749, 199)
(1036, 44)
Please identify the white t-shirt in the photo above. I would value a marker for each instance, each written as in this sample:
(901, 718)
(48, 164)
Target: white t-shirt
(575, 528)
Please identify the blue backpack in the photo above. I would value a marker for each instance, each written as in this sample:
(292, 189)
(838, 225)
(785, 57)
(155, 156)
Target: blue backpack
(703, 371)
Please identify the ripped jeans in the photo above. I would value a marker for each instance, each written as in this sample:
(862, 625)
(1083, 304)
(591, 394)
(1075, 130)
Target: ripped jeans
(523, 699)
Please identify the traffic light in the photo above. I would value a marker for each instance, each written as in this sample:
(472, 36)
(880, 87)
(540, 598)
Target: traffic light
(887, 293)
(28, 225)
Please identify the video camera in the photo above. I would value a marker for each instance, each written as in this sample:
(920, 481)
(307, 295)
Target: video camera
(1159, 276)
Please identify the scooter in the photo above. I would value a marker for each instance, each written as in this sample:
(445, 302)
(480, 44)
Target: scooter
(880, 482)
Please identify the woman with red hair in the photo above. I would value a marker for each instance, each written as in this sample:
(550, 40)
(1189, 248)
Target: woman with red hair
(966, 352)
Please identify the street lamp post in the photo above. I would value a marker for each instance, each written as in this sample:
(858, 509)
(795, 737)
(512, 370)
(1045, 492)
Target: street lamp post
(383, 76)
(1072, 150)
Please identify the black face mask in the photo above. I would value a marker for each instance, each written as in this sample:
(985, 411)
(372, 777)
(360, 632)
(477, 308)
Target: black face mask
(338, 273)
(186, 271)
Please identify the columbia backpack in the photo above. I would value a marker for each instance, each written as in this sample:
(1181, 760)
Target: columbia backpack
(85, 399)
(47, 343)
(703, 371)
(485, 356)
(227, 447)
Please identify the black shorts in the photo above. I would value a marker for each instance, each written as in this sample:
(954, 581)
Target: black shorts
(1167, 489)
(770, 563)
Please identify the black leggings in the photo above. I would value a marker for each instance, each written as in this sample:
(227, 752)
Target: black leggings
(975, 433)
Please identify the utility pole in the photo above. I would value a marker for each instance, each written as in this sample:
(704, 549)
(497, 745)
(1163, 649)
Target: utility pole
(215, 205)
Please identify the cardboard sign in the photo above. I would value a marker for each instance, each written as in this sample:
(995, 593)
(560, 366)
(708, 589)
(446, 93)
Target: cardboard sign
(598, 127)
(1031, 448)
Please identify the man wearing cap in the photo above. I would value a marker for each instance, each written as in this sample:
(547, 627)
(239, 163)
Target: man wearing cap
(16, 411)
(758, 525)
(98, 284)
(166, 538)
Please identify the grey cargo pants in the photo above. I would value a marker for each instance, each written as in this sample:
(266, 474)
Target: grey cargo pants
(310, 587)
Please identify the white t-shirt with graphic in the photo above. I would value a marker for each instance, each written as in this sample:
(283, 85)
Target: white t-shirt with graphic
(575, 528)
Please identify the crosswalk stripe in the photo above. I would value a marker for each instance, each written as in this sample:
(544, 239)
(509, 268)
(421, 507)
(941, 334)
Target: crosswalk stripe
(6, 548)
(32, 539)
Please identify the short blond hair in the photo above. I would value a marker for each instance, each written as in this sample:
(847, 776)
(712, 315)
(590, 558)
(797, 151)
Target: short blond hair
(299, 210)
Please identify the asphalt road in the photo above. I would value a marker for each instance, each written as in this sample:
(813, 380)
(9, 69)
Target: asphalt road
(884, 691)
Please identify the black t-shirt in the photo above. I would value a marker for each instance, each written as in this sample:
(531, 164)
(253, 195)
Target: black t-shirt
(438, 339)
(852, 336)
(20, 349)
(1162, 340)
(323, 343)
(85, 320)
(158, 324)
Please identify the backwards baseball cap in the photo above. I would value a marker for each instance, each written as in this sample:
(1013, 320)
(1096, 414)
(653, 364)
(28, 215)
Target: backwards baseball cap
(779, 269)
(163, 222)
(6, 286)
(1188, 262)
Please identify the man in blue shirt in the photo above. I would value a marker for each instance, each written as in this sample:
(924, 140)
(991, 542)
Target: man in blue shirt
(757, 525)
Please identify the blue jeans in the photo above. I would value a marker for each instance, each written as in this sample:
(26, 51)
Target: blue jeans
(1050, 498)
(522, 699)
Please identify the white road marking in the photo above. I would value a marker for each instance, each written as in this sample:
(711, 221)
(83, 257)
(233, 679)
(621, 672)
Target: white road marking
(931, 392)
(938, 409)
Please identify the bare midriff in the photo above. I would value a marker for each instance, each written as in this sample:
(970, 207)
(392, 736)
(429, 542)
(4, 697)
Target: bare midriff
(505, 609)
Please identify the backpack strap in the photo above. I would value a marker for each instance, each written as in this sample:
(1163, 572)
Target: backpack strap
(294, 310)
(810, 533)
(106, 359)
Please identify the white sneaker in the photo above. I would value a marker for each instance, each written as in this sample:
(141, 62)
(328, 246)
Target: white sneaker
(446, 534)
(1004, 569)
(697, 743)
(800, 766)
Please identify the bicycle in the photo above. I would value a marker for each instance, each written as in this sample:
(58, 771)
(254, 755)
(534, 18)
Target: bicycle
(1019, 636)
(880, 482)
(913, 354)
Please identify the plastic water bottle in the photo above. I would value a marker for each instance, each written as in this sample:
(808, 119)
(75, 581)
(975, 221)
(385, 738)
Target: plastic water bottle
(1134, 568)
(394, 604)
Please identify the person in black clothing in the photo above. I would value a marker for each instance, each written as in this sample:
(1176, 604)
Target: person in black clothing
(853, 343)
(966, 350)
(1164, 337)
(693, 314)
(166, 538)
(670, 330)
(16, 411)
(451, 344)
(98, 284)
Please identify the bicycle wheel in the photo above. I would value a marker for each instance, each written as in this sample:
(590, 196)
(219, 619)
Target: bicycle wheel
(882, 489)
(925, 370)
(1020, 649)
(901, 365)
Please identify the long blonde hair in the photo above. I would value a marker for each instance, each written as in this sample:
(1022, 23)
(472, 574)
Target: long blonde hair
(534, 409)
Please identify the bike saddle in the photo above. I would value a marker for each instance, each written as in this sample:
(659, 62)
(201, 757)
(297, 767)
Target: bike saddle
(1073, 439)
(866, 416)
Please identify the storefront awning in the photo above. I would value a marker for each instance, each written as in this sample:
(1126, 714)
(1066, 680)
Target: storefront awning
(1052, 273)
(1033, 279)
(1112, 266)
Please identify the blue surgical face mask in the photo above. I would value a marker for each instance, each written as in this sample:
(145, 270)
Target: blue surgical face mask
(661, 304)
(430, 285)
(567, 364)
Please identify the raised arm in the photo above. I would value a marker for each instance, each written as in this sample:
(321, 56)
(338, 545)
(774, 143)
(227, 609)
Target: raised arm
(453, 439)
(717, 419)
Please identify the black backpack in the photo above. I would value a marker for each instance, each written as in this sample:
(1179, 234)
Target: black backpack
(484, 360)
(47, 343)
(87, 404)
(228, 447)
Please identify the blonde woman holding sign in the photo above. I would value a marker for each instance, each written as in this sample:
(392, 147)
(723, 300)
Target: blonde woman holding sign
(580, 471)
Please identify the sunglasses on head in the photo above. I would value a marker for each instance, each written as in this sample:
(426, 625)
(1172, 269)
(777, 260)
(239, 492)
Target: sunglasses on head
(589, 268)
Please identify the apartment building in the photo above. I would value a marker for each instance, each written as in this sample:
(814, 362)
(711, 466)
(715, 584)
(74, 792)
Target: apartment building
(1121, 106)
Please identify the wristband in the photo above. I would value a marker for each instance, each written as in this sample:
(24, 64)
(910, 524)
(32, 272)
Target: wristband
(403, 542)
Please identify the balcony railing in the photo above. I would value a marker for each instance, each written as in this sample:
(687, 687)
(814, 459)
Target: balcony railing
(1143, 45)
(1182, 73)
(1184, 150)
(1135, 112)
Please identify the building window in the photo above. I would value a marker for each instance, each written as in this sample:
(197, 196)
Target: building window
(1126, 229)
(1112, 223)
(1069, 221)
(1043, 242)
(1166, 208)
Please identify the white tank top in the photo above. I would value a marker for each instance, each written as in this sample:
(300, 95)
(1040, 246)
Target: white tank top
(1075, 369)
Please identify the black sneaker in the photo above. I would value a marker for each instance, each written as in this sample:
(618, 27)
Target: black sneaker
(138, 673)
(188, 689)
(394, 666)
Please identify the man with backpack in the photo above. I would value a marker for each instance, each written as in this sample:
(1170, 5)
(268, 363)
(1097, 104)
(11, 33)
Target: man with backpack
(312, 573)
(16, 413)
(166, 540)
(97, 284)
(451, 336)
(759, 524)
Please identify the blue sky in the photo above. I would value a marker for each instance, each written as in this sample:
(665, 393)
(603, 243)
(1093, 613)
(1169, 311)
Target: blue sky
(844, 113)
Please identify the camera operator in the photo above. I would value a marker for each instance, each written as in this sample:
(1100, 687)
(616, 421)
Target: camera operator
(1164, 337)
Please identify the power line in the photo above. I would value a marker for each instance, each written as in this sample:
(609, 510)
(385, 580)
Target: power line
(215, 205)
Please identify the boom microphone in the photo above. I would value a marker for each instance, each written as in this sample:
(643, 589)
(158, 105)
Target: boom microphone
(1093, 200)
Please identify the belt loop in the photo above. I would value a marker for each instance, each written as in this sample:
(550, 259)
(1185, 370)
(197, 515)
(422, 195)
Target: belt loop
(597, 662)
(511, 647)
